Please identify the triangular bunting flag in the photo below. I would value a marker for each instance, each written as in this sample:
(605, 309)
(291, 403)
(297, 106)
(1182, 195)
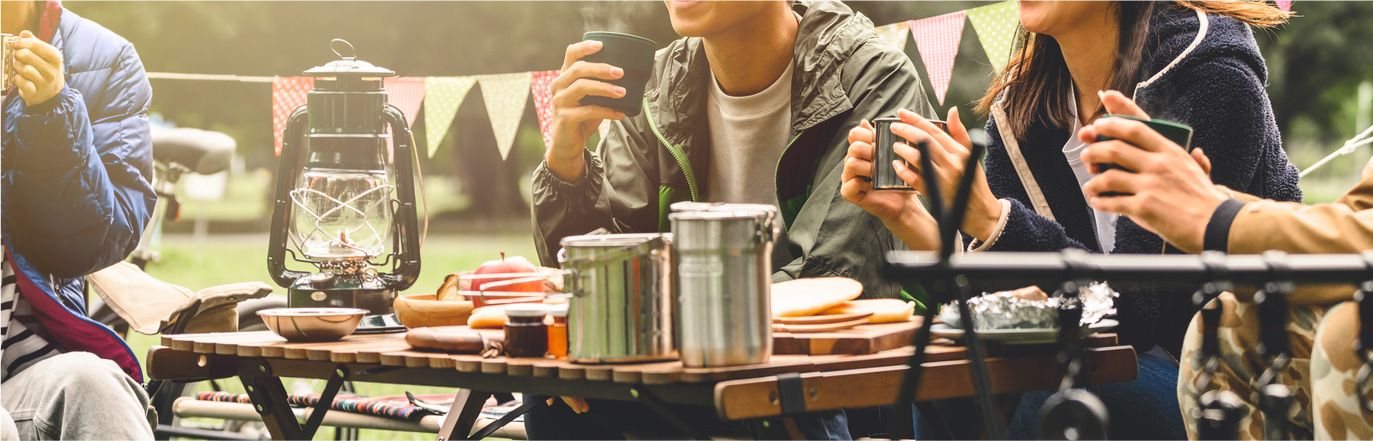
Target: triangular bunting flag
(894, 33)
(505, 96)
(1285, 5)
(442, 97)
(996, 25)
(543, 100)
(288, 93)
(406, 93)
(937, 40)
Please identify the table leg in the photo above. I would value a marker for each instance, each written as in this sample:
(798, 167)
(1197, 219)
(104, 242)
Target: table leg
(467, 406)
(269, 399)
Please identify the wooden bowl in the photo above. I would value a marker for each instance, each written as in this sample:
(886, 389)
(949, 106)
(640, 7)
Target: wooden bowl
(420, 310)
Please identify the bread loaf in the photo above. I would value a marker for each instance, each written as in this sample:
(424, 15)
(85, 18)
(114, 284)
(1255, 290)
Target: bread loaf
(883, 310)
(803, 297)
(448, 292)
(487, 317)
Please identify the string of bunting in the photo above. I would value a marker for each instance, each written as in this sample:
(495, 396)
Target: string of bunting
(936, 38)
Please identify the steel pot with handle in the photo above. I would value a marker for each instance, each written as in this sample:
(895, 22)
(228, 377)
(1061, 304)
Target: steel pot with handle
(723, 278)
(622, 300)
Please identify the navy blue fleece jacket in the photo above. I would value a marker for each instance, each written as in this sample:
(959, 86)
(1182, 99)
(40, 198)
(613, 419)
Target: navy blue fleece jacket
(1201, 70)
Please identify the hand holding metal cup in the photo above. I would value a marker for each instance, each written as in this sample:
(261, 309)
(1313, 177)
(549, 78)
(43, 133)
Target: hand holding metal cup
(6, 58)
(884, 175)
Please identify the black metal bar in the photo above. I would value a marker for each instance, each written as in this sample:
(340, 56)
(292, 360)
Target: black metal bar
(1363, 348)
(1070, 355)
(1275, 398)
(949, 220)
(656, 405)
(269, 400)
(977, 362)
(524, 408)
(1051, 267)
(915, 370)
(326, 401)
(952, 225)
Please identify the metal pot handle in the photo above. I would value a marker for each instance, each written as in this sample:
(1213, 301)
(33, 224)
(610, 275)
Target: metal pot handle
(493, 288)
(768, 229)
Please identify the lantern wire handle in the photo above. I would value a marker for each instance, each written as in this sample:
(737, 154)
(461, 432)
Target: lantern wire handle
(338, 45)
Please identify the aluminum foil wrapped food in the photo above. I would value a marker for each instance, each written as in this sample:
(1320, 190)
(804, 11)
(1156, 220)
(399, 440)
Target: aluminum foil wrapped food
(1030, 308)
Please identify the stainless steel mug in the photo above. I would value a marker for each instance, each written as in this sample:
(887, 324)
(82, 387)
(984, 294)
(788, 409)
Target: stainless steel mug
(622, 299)
(723, 278)
(6, 61)
(883, 173)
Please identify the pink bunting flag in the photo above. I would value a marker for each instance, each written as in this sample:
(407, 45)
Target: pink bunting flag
(539, 86)
(406, 93)
(288, 93)
(937, 40)
(1285, 5)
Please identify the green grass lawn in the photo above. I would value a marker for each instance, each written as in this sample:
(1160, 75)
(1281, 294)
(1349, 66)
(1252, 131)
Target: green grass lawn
(230, 259)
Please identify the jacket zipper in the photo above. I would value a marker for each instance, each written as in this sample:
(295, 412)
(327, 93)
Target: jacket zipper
(677, 152)
(777, 191)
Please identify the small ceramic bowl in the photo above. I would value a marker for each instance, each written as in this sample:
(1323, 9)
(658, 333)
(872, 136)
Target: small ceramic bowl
(312, 324)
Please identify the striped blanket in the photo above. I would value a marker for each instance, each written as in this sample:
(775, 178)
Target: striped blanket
(390, 406)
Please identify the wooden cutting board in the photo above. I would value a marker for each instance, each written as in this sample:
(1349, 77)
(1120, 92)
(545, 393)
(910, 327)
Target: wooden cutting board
(861, 339)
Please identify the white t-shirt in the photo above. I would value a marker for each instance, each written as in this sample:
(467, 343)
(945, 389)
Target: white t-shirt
(1105, 222)
(747, 137)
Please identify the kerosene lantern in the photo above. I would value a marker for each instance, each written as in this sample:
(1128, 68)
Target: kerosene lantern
(343, 204)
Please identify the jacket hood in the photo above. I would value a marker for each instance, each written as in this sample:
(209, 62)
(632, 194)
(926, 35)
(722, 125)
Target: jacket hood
(1180, 38)
(825, 39)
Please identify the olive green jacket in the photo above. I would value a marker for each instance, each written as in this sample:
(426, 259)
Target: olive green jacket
(843, 73)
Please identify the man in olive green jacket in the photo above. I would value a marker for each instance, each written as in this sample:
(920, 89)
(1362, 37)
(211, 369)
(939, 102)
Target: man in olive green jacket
(1167, 191)
(842, 74)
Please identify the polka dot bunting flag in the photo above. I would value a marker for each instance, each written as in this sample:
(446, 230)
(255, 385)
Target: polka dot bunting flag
(288, 93)
(539, 84)
(996, 26)
(937, 40)
(505, 96)
(894, 33)
(442, 97)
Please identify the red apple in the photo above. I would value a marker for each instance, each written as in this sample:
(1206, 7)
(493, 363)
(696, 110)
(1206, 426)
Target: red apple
(513, 267)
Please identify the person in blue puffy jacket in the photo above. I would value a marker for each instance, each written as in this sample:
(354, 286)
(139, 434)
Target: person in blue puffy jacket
(75, 196)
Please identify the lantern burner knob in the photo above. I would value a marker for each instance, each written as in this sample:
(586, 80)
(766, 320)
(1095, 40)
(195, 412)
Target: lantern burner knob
(340, 46)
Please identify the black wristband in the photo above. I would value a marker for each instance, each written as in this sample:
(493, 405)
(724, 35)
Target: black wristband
(1218, 229)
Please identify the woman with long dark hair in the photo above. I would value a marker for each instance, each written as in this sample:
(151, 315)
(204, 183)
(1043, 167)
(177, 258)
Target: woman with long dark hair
(1195, 63)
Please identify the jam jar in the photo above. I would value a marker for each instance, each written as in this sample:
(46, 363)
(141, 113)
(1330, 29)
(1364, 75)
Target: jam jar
(557, 331)
(526, 334)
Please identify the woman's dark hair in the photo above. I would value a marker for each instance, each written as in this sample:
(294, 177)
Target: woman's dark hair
(1036, 82)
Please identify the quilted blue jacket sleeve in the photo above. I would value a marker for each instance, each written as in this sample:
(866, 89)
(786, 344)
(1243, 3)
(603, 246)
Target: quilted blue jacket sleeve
(77, 195)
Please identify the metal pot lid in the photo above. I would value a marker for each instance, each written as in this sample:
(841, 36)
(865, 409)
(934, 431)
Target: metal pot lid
(611, 240)
(348, 64)
(716, 210)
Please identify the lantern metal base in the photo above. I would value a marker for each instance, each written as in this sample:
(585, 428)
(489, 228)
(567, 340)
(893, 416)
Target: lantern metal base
(372, 296)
